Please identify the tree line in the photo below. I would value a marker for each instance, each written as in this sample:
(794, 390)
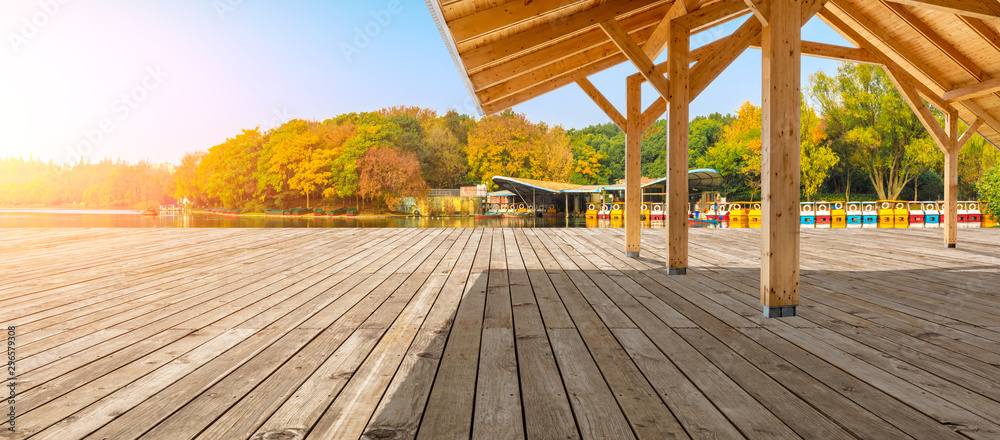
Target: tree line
(859, 141)
(105, 184)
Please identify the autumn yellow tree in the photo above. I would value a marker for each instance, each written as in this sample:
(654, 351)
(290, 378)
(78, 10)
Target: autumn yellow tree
(816, 158)
(509, 145)
(552, 157)
(745, 134)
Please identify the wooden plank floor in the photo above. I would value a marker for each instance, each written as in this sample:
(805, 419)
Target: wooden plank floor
(496, 333)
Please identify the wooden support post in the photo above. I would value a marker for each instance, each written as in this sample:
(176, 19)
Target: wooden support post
(781, 48)
(633, 165)
(677, 149)
(951, 181)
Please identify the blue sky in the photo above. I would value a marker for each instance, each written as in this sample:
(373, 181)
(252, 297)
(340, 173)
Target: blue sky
(153, 79)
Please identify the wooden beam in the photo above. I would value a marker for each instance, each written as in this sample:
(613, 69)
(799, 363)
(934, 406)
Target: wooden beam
(984, 31)
(677, 150)
(502, 16)
(552, 83)
(974, 90)
(920, 66)
(531, 39)
(883, 36)
(851, 34)
(657, 42)
(923, 113)
(635, 54)
(987, 9)
(602, 102)
(633, 167)
(834, 52)
(780, 136)
(934, 38)
(760, 9)
(712, 15)
(653, 112)
(969, 133)
(951, 182)
(589, 42)
(703, 73)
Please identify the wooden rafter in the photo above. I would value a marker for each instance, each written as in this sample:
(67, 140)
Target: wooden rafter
(917, 64)
(590, 42)
(927, 119)
(934, 38)
(852, 35)
(567, 71)
(974, 90)
(501, 17)
(712, 15)
(661, 35)
(603, 103)
(969, 132)
(835, 52)
(706, 70)
(760, 9)
(536, 37)
(984, 31)
(987, 9)
(634, 53)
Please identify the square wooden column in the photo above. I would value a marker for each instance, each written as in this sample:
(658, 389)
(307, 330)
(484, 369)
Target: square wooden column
(633, 165)
(781, 47)
(951, 181)
(677, 149)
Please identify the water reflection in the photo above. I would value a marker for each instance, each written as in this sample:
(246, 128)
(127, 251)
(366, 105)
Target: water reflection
(10, 218)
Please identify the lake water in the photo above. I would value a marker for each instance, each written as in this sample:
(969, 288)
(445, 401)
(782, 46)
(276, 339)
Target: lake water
(42, 218)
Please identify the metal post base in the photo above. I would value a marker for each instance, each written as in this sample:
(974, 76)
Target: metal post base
(951, 245)
(677, 271)
(632, 254)
(779, 312)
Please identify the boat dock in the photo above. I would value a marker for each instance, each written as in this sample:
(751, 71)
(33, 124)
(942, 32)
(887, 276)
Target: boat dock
(496, 333)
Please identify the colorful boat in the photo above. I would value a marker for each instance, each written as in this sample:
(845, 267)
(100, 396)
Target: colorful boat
(657, 212)
(488, 215)
(932, 215)
(886, 215)
(916, 215)
(838, 215)
(807, 215)
(523, 214)
(869, 214)
(150, 213)
(337, 212)
(901, 215)
(591, 212)
(351, 212)
(754, 216)
(824, 217)
(854, 214)
(274, 212)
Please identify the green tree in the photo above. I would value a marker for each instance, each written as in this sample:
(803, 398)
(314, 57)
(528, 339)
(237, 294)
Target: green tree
(864, 113)
(988, 188)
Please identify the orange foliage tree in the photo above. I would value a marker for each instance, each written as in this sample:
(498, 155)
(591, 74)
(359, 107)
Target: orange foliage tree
(389, 174)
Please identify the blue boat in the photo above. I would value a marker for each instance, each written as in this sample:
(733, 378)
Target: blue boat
(869, 214)
(854, 216)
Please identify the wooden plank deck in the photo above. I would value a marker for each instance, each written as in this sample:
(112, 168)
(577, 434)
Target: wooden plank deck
(496, 333)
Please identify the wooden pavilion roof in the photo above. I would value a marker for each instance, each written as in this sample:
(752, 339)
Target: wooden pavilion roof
(511, 51)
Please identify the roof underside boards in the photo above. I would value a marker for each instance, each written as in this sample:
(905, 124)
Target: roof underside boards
(511, 51)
